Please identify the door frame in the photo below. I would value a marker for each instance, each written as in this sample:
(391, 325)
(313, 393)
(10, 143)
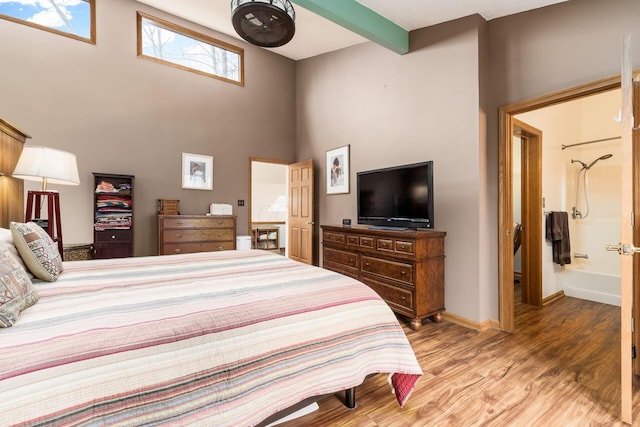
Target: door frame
(531, 204)
(506, 123)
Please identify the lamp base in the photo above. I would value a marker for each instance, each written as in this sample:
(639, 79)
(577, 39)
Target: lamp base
(53, 225)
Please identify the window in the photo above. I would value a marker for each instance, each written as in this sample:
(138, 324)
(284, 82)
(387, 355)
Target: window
(71, 18)
(180, 47)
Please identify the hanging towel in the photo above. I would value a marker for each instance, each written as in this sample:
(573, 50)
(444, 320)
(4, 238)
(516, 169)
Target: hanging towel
(557, 232)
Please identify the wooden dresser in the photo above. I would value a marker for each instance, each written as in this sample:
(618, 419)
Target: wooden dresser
(12, 140)
(406, 268)
(181, 234)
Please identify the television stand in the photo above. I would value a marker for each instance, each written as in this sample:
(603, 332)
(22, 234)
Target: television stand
(405, 267)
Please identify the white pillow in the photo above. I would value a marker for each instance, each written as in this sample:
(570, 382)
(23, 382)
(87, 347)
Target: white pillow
(38, 250)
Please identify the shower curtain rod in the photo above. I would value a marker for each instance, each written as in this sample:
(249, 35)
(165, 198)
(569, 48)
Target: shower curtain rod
(591, 142)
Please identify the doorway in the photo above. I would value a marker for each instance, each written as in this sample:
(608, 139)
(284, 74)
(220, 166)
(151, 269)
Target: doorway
(629, 202)
(268, 204)
(508, 126)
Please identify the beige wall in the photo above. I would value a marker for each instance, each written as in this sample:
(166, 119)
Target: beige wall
(395, 110)
(122, 114)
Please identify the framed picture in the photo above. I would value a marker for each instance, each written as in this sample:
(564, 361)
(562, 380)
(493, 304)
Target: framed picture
(338, 170)
(197, 172)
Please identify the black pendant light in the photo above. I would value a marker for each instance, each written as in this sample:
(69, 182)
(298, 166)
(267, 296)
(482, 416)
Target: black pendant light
(266, 23)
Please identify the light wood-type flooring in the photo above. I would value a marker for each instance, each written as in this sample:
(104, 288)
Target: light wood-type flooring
(560, 368)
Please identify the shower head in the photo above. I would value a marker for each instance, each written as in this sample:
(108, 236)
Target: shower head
(606, 156)
(584, 165)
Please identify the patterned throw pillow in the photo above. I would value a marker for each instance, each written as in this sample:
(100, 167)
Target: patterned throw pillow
(16, 291)
(38, 251)
(7, 239)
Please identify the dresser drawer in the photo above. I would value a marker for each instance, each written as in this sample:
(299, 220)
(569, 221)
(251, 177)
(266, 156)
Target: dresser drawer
(202, 235)
(328, 236)
(205, 222)
(353, 240)
(385, 245)
(340, 257)
(391, 269)
(398, 246)
(366, 242)
(341, 268)
(405, 247)
(393, 295)
(187, 248)
(113, 236)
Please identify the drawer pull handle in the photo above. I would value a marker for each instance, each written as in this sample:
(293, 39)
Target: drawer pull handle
(177, 250)
(351, 260)
(220, 248)
(220, 222)
(178, 222)
(113, 237)
(178, 235)
(404, 273)
(220, 234)
(403, 298)
(367, 264)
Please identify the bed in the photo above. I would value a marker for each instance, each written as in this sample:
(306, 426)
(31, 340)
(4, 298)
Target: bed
(216, 338)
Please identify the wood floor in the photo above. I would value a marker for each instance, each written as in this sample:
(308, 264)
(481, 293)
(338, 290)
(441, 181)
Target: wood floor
(560, 368)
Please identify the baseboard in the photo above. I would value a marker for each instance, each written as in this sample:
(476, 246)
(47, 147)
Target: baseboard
(491, 323)
(478, 326)
(553, 297)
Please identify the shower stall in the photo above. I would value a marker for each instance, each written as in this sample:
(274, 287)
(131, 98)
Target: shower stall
(593, 189)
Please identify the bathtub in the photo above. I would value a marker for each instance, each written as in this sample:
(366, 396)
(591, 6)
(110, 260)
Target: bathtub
(598, 287)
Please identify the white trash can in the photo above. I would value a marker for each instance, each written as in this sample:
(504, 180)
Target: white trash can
(243, 243)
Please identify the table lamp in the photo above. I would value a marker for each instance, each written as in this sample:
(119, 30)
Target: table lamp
(49, 166)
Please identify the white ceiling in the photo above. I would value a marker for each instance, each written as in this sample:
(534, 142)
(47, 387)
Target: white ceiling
(316, 35)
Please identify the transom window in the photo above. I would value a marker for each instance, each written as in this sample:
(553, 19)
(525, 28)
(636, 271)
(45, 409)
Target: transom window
(173, 45)
(71, 18)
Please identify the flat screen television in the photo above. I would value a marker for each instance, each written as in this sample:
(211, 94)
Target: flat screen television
(396, 197)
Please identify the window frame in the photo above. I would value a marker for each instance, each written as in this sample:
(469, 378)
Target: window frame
(92, 31)
(186, 32)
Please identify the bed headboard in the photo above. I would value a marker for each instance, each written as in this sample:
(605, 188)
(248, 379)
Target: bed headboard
(11, 189)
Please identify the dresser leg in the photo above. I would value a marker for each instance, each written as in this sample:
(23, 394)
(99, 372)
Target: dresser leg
(436, 318)
(415, 324)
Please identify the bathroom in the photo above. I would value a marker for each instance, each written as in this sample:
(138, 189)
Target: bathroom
(580, 144)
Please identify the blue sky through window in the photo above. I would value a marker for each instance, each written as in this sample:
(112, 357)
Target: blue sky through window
(69, 16)
(180, 49)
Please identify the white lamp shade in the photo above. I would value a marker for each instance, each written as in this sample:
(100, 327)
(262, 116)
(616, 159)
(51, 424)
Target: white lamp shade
(47, 164)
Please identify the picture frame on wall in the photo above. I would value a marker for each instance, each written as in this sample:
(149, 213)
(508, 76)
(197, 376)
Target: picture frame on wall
(197, 172)
(338, 170)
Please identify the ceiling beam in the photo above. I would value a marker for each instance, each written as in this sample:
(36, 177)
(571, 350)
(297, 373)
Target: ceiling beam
(363, 21)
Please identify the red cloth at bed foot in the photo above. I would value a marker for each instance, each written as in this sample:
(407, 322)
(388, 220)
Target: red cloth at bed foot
(402, 385)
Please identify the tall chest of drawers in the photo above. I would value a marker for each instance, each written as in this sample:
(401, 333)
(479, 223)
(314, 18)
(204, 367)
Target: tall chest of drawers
(181, 234)
(406, 268)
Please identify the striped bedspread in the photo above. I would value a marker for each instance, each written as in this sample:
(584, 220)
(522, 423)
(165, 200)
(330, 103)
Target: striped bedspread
(224, 338)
